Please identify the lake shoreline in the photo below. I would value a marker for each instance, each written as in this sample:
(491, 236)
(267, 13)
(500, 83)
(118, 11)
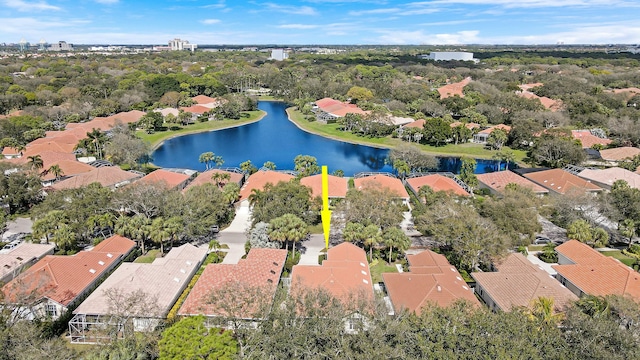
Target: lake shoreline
(198, 131)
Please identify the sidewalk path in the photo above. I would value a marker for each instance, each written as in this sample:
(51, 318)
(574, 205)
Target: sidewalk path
(311, 251)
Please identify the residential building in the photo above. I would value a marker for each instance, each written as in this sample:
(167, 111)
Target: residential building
(14, 261)
(179, 45)
(279, 55)
(136, 295)
(243, 291)
(328, 110)
(588, 139)
(497, 181)
(431, 280)
(107, 176)
(560, 182)
(11, 153)
(55, 283)
(167, 178)
(259, 179)
(381, 181)
(437, 183)
(449, 56)
(619, 154)
(207, 177)
(606, 177)
(482, 136)
(585, 271)
(454, 89)
(61, 46)
(518, 283)
(337, 186)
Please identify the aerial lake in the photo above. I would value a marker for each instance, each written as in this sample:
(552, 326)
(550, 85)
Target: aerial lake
(276, 139)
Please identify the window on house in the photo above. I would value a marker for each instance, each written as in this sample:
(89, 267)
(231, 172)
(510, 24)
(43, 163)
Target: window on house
(51, 310)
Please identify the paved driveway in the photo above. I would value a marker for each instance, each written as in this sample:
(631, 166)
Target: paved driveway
(310, 249)
(19, 225)
(235, 235)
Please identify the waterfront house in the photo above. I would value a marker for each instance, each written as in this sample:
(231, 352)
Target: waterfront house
(437, 183)
(497, 181)
(560, 182)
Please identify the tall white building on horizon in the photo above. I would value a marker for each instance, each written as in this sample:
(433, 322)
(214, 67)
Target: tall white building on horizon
(278, 54)
(179, 45)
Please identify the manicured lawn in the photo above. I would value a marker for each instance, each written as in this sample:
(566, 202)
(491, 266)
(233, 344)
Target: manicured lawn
(149, 257)
(377, 267)
(617, 254)
(316, 229)
(158, 137)
(477, 151)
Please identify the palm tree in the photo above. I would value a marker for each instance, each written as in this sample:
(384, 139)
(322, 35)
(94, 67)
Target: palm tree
(256, 197)
(288, 228)
(56, 171)
(174, 227)
(98, 139)
(542, 311)
(206, 158)
(269, 165)
(628, 229)
(395, 238)
(230, 193)
(371, 235)
(220, 178)
(158, 233)
(35, 162)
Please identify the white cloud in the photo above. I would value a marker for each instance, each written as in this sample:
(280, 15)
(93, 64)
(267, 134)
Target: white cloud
(375, 11)
(298, 26)
(107, 2)
(218, 5)
(420, 38)
(535, 3)
(25, 6)
(210, 21)
(287, 9)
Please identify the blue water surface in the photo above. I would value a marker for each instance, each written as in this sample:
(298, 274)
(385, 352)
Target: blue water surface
(276, 139)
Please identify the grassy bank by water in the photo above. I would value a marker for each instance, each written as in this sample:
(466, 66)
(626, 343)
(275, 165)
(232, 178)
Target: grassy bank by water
(477, 151)
(158, 137)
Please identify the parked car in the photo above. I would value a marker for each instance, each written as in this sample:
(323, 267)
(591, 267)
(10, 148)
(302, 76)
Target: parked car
(542, 240)
(215, 228)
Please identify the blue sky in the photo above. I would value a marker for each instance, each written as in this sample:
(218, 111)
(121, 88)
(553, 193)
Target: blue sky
(322, 21)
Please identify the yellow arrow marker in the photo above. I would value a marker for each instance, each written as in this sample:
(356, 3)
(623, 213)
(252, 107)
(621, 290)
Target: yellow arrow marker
(325, 213)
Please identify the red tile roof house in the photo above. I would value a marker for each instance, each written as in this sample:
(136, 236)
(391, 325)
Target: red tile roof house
(337, 186)
(585, 271)
(616, 155)
(560, 182)
(261, 178)
(344, 275)
(497, 181)
(606, 177)
(56, 283)
(328, 110)
(437, 183)
(169, 179)
(207, 178)
(431, 280)
(454, 89)
(482, 136)
(160, 282)
(587, 139)
(244, 291)
(107, 176)
(12, 262)
(383, 181)
(518, 283)
(10, 153)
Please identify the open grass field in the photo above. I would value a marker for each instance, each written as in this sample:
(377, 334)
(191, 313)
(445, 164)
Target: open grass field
(158, 137)
(477, 151)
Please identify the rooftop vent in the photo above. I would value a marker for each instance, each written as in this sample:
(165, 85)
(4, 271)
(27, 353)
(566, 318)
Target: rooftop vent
(275, 263)
(273, 272)
(18, 258)
(269, 280)
(362, 264)
(365, 281)
(109, 255)
(183, 271)
(101, 262)
(188, 262)
(92, 271)
(363, 272)
(464, 287)
(176, 279)
(439, 288)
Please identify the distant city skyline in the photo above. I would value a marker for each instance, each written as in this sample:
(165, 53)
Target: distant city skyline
(331, 22)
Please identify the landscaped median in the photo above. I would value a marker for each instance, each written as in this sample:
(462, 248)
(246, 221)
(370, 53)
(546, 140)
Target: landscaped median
(477, 151)
(158, 137)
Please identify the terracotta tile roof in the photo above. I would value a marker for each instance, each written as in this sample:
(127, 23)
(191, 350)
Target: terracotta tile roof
(437, 183)
(196, 109)
(611, 175)
(169, 178)
(13, 113)
(419, 124)
(203, 99)
(50, 158)
(517, 283)
(578, 252)
(9, 151)
(560, 181)
(345, 275)
(64, 278)
(115, 244)
(620, 153)
(163, 280)
(260, 271)
(383, 181)
(454, 89)
(107, 176)
(600, 279)
(49, 145)
(587, 139)
(525, 87)
(489, 130)
(338, 108)
(499, 179)
(259, 179)
(427, 258)
(629, 92)
(338, 186)
(206, 178)
(548, 103)
(69, 168)
(472, 126)
(22, 255)
(167, 111)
